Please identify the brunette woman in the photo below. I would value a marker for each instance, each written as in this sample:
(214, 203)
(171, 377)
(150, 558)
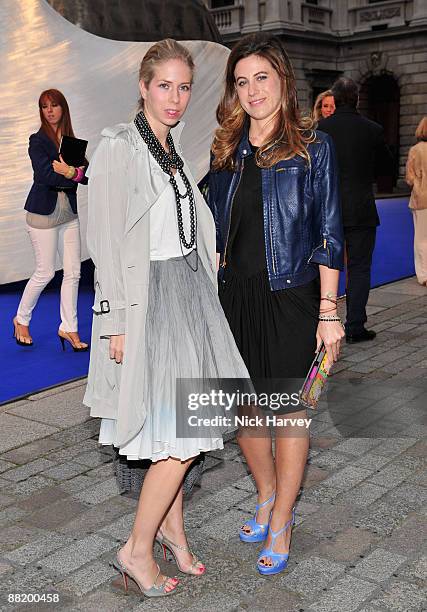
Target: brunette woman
(52, 221)
(158, 318)
(273, 193)
(324, 106)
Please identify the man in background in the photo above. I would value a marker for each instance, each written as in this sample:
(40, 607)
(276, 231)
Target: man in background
(362, 154)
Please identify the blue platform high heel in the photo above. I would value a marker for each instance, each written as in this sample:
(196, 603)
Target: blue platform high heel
(258, 531)
(279, 560)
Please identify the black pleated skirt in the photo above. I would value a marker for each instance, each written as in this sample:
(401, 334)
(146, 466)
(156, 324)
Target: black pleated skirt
(275, 331)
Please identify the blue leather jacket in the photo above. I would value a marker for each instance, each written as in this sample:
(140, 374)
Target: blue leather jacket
(302, 213)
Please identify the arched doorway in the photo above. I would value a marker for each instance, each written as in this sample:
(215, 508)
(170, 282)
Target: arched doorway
(380, 101)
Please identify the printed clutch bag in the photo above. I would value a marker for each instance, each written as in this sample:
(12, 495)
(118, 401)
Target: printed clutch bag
(315, 380)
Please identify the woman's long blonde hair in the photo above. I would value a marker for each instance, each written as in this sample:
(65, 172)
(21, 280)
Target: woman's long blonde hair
(317, 108)
(292, 133)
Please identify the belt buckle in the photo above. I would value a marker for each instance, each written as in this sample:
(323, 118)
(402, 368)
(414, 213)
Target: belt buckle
(105, 306)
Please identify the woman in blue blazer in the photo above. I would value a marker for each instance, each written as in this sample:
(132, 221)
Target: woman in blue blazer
(52, 221)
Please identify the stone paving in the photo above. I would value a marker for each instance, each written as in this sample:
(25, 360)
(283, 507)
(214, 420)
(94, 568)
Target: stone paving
(359, 541)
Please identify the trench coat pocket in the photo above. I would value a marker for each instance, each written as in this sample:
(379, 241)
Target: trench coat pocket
(109, 368)
(137, 294)
(113, 323)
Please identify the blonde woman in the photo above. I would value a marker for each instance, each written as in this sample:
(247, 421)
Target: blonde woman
(416, 177)
(274, 195)
(158, 318)
(324, 106)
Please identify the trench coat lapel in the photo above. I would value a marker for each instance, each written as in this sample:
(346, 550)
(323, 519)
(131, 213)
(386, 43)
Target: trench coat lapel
(148, 179)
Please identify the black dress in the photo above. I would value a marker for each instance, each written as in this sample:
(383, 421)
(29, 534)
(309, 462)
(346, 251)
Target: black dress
(275, 331)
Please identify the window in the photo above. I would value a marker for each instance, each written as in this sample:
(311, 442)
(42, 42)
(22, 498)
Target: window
(221, 3)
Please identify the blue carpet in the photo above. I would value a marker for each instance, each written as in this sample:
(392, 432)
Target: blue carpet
(393, 257)
(28, 370)
(394, 249)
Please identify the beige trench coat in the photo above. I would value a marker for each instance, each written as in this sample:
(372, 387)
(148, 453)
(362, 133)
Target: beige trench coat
(124, 182)
(416, 175)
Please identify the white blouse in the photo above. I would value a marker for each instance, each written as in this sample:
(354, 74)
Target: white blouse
(164, 237)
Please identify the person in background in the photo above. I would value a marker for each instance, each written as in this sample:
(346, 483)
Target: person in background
(324, 106)
(52, 222)
(361, 150)
(416, 177)
(273, 192)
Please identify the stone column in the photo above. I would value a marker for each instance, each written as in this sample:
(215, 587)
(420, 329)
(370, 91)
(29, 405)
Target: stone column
(282, 13)
(419, 16)
(251, 21)
(296, 16)
(276, 14)
(341, 18)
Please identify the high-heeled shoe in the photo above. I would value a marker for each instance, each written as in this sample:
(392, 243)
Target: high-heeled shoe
(64, 336)
(259, 531)
(167, 545)
(279, 560)
(154, 591)
(17, 335)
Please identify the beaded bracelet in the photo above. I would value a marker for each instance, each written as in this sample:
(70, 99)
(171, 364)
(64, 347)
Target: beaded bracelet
(329, 318)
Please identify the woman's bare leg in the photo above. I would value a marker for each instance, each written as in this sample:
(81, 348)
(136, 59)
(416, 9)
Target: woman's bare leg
(172, 528)
(291, 458)
(256, 446)
(161, 483)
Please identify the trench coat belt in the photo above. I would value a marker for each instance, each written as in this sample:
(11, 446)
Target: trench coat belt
(106, 306)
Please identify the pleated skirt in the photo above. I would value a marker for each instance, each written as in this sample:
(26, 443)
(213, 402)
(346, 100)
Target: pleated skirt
(187, 336)
(275, 331)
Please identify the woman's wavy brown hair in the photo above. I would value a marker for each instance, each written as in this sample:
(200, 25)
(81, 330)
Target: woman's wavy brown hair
(65, 127)
(292, 132)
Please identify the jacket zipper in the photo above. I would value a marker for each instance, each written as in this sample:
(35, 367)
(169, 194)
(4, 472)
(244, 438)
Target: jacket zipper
(224, 262)
(271, 242)
(324, 245)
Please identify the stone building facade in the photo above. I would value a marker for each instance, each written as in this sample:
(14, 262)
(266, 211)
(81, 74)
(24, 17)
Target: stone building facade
(381, 44)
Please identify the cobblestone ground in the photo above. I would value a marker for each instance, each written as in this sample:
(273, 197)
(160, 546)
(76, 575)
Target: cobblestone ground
(359, 541)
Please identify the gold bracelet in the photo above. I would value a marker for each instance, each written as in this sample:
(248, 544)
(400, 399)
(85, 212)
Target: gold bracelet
(71, 172)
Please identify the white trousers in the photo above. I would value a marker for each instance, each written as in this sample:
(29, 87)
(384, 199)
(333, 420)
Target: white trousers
(420, 245)
(65, 240)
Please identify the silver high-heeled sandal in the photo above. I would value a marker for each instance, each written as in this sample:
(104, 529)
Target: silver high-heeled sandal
(167, 545)
(154, 591)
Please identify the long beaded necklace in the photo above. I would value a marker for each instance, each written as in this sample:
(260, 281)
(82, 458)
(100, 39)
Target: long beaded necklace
(168, 162)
